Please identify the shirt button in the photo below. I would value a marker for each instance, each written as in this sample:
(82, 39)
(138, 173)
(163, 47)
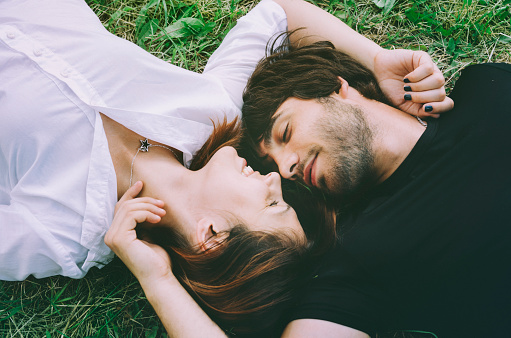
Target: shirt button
(11, 35)
(38, 52)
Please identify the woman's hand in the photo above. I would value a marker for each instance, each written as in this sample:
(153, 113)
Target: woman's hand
(148, 262)
(425, 95)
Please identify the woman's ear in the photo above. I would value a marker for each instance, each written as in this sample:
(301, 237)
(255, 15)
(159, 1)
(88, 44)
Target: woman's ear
(207, 233)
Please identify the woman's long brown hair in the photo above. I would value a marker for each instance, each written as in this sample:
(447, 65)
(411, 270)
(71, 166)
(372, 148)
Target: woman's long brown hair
(248, 280)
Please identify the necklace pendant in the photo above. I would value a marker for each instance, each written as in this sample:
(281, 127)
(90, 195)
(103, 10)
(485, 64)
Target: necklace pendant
(144, 145)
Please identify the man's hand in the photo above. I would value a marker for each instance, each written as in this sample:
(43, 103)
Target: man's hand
(412, 82)
(148, 262)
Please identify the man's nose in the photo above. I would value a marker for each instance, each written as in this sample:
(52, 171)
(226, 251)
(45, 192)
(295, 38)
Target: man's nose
(288, 165)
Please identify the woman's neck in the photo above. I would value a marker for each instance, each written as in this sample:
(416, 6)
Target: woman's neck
(152, 167)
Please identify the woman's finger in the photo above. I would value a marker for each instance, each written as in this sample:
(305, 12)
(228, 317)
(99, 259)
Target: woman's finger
(137, 205)
(436, 95)
(433, 109)
(137, 200)
(132, 192)
(431, 82)
(127, 220)
(426, 68)
(141, 216)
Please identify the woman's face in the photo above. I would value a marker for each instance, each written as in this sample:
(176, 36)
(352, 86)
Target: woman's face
(228, 185)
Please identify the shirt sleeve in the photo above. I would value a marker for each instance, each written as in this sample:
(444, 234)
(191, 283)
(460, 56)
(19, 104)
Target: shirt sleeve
(245, 45)
(29, 248)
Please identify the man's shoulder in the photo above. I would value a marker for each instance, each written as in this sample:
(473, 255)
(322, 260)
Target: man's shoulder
(477, 81)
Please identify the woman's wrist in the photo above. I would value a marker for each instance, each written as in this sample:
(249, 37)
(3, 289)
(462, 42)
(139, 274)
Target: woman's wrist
(154, 286)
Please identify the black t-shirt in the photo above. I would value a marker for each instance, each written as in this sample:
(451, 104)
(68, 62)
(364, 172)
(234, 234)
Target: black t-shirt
(430, 248)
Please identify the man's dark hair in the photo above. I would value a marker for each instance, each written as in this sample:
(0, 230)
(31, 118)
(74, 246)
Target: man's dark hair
(306, 72)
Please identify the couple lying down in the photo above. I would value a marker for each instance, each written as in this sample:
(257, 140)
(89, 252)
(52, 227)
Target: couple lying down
(96, 127)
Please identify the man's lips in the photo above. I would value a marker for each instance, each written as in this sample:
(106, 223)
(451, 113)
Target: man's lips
(309, 174)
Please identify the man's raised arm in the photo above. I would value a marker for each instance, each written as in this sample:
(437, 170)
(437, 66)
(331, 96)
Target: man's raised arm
(425, 95)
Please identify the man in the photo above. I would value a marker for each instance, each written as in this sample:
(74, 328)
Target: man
(423, 225)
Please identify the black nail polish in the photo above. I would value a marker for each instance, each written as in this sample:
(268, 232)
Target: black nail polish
(408, 89)
(408, 97)
(428, 109)
(406, 80)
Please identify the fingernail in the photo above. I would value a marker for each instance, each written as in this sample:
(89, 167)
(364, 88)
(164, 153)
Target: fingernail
(408, 97)
(406, 80)
(428, 109)
(408, 89)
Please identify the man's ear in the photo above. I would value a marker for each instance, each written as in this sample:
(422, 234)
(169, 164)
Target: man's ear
(343, 91)
(207, 233)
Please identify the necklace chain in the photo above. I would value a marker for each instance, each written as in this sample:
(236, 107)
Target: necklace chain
(144, 147)
(424, 124)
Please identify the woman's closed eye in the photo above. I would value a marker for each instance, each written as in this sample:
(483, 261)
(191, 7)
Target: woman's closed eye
(274, 203)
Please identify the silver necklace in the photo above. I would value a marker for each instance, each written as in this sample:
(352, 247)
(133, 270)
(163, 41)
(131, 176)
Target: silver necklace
(144, 147)
(424, 124)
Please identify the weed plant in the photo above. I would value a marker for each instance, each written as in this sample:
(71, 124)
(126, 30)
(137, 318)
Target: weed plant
(109, 302)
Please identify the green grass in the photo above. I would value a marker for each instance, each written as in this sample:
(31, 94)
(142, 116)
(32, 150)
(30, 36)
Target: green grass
(109, 302)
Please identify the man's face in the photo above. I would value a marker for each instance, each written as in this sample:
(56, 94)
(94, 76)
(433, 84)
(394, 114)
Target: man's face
(325, 143)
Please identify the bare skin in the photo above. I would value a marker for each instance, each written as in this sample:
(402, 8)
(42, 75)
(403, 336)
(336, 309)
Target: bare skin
(123, 144)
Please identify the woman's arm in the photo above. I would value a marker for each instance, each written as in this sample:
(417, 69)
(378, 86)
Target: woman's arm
(391, 67)
(150, 264)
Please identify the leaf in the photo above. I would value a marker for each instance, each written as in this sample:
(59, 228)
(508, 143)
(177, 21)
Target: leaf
(412, 15)
(386, 5)
(451, 46)
(147, 29)
(188, 26)
(379, 3)
(142, 17)
(152, 332)
(504, 38)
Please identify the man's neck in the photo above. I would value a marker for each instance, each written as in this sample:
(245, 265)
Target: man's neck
(395, 133)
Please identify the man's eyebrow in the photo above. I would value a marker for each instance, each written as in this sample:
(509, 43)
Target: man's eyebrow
(267, 132)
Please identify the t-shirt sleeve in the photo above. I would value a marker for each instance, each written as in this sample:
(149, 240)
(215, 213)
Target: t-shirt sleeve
(343, 294)
(244, 46)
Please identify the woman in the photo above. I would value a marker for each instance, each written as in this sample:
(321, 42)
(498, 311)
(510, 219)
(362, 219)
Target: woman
(63, 75)
(74, 112)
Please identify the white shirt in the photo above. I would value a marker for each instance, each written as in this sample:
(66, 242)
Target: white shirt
(58, 69)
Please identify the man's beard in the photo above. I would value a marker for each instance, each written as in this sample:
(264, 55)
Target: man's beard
(349, 138)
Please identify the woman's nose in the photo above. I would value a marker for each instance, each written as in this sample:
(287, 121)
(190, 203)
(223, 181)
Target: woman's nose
(272, 179)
